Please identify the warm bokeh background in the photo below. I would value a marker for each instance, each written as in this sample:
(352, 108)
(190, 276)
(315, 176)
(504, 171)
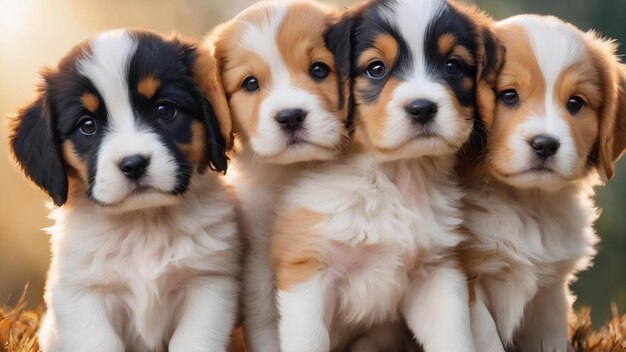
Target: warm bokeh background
(35, 33)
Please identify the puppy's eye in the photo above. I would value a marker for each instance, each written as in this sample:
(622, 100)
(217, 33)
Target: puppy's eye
(455, 67)
(165, 110)
(575, 104)
(87, 126)
(250, 84)
(376, 70)
(509, 97)
(319, 70)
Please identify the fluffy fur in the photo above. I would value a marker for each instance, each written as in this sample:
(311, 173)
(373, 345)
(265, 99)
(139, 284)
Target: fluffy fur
(529, 213)
(145, 243)
(289, 104)
(365, 242)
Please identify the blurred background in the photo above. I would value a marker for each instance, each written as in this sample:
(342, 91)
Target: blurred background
(36, 33)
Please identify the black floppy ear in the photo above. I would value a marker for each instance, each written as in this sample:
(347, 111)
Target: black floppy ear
(37, 150)
(339, 39)
(216, 145)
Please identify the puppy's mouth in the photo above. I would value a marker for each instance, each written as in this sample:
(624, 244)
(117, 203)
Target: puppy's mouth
(538, 170)
(139, 191)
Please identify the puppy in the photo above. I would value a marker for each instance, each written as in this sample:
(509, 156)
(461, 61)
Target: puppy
(560, 119)
(365, 242)
(145, 243)
(289, 104)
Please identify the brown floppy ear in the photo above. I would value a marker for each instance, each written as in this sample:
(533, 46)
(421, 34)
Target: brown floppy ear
(613, 124)
(490, 59)
(36, 148)
(207, 75)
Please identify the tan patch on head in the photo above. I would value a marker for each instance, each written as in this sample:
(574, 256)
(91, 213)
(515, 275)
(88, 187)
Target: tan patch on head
(300, 41)
(148, 86)
(73, 160)
(445, 43)
(372, 116)
(91, 102)
(385, 49)
(195, 151)
(295, 251)
(522, 73)
(583, 80)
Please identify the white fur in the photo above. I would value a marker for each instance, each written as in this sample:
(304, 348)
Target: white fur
(386, 234)
(145, 279)
(412, 19)
(106, 66)
(319, 134)
(264, 162)
(532, 242)
(556, 47)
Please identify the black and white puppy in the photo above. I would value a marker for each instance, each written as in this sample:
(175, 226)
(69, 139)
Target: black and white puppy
(145, 244)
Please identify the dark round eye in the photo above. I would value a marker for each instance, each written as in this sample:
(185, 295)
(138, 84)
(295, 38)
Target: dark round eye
(87, 126)
(250, 84)
(454, 67)
(575, 104)
(319, 70)
(376, 70)
(165, 110)
(509, 97)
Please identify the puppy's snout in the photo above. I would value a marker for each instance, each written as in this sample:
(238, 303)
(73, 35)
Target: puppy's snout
(134, 166)
(291, 119)
(422, 110)
(545, 146)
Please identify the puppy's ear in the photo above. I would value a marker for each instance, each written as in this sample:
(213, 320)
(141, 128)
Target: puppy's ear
(208, 77)
(339, 40)
(612, 124)
(613, 127)
(215, 111)
(490, 59)
(36, 148)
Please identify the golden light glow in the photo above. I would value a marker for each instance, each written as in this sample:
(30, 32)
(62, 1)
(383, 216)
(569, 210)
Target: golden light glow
(13, 15)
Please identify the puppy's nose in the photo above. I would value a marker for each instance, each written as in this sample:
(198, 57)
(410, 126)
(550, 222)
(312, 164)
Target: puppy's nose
(545, 146)
(291, 119)
(422, 110)
(134, 166)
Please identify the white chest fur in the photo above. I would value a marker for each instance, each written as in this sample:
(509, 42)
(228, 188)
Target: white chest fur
(379, 222)
(523, 240)
(140, 263)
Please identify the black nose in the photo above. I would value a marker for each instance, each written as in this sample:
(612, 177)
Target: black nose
(545, 146)
(134, 166)
(291, 119)
(422, 110)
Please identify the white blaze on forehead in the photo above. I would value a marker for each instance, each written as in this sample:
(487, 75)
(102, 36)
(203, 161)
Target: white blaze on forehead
(556, 46)
(107, 69)
(260, 38)
(412, 18)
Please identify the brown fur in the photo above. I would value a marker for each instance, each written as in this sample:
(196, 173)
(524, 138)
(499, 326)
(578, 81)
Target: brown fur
(90, 102)
(208, 78)
(147, 86)
(295, 254)
(300, 42)
(195, 150)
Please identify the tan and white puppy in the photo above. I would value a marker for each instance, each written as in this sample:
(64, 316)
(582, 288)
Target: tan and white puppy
(289, 105)
(368, 241)
(560, 118)
(145, 247)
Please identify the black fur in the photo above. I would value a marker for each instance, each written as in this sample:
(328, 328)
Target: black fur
(37, 149)
(42, 127)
